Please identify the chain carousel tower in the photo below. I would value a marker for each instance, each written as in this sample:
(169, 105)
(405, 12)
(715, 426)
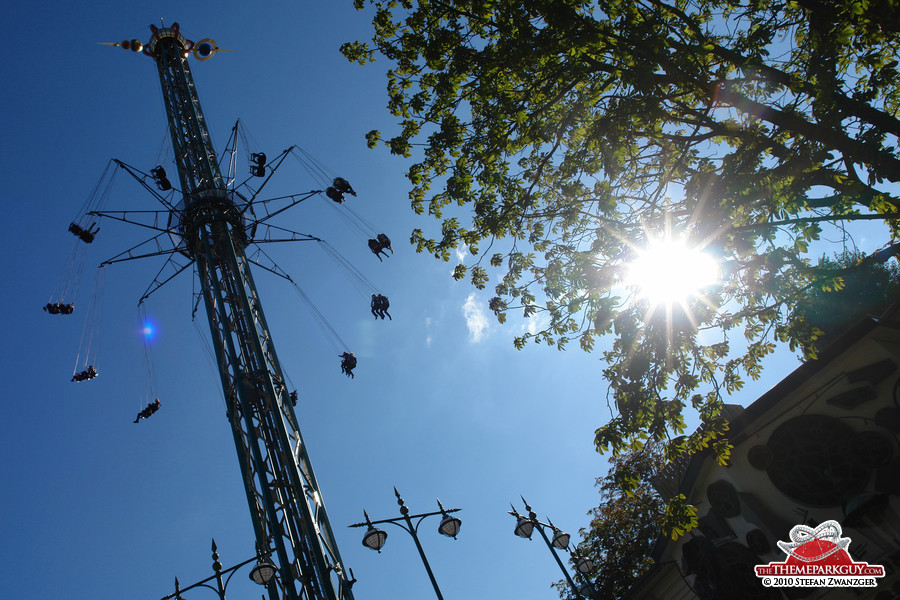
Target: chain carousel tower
(211, 225)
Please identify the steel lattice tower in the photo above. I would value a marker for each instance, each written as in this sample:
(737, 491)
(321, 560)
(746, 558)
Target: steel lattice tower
(286, 506)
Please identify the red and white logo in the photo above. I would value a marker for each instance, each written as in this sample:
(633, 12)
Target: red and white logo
(818, 558)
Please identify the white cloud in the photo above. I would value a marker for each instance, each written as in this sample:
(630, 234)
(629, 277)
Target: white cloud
(535, 323)
(461, 254)
(476, 319)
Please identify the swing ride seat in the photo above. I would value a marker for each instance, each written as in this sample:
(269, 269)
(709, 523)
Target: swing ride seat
(161, 179)
(343, 186)
(385, 242)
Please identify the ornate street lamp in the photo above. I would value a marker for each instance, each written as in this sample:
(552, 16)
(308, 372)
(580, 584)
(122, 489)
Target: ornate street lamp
(375, 538)
(525, 526)
(449, 524)
(264, 573)
(585, 565)
(560, 537)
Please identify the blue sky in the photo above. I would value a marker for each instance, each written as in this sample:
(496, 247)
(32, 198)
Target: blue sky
(442, 405)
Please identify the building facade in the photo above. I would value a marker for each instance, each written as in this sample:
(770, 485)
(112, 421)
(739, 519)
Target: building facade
(823, 444)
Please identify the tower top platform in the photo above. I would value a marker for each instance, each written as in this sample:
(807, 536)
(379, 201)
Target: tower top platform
(159, 34)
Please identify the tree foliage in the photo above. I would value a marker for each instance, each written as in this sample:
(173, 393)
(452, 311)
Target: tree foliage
(625, 526)
(826, 313)
(554, 139)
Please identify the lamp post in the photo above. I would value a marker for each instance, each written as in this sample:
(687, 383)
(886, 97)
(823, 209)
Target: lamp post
(262, 573)
(375, 538)
(525, 526)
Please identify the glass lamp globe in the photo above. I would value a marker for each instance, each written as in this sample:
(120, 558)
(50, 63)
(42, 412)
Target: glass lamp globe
(585, 590)
(450, 526)
(524, 527)
(374, 539)
(560, 539)
(263, 572)
(585, 565)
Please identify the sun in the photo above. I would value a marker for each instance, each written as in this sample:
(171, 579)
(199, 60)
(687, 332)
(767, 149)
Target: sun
(669, 272)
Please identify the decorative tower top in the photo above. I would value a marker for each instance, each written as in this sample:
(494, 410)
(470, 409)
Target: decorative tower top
(165, 33)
